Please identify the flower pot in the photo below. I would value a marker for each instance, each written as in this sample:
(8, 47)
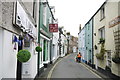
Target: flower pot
(116, 60)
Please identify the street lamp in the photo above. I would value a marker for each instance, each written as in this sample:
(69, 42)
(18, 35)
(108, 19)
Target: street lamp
(68, 38)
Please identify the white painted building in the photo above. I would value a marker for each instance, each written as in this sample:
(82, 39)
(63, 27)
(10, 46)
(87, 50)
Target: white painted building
(74, 49)
(21, 23)
(55, 47)
(63, 47)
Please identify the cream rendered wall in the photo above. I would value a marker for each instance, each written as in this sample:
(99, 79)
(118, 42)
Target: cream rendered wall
(112, 8)
(111, 12)
(97, 25)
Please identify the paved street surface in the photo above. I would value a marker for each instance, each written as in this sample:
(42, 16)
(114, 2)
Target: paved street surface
(68, 68)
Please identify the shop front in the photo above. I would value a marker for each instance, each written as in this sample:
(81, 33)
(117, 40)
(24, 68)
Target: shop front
(45, 44)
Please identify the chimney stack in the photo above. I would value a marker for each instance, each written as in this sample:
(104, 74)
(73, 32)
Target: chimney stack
(80, 28)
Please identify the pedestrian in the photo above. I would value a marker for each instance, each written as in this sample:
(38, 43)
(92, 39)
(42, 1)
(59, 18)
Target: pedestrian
(78, 57)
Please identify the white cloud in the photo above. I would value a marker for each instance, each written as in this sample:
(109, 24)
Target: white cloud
(71, 13)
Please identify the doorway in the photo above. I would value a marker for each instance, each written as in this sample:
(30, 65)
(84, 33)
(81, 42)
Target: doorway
(44, 50)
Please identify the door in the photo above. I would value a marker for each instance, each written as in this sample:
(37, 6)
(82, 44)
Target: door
(44, 50)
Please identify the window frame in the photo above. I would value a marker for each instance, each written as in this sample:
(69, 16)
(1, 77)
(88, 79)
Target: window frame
(101, 32)
(45, 15)
(102, 13)
(35, 10)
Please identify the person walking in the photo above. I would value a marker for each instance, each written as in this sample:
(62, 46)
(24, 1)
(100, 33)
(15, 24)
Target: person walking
(78, 58)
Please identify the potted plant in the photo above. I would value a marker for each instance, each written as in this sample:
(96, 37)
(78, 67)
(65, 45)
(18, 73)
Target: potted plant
(38, 49)
(23, 55)
(102, 41)
(108, 69)
(116, 58)
(100, 56)
(102, 52)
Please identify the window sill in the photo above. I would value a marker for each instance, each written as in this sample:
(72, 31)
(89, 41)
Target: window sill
(102, 18)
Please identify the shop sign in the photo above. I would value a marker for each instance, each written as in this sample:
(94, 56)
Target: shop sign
(53, 27)
(26, 41)
(114, 22)
(23, 21)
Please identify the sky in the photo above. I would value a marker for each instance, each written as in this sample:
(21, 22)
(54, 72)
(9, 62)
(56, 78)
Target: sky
(72, 13)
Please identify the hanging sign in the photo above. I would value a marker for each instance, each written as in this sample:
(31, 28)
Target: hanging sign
(114, 22)
(23, 21)
(53, 27)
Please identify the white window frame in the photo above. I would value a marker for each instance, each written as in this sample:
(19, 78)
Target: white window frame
(102, 13)
(50, 20)
(45, 15)
(35, 10)
(102, 33)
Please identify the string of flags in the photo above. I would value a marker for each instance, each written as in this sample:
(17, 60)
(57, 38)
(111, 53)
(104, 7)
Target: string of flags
(16, 40)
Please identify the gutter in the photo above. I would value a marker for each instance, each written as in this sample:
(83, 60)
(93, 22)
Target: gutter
(92, 43)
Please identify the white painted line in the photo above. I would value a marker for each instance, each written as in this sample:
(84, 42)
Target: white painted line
(92, 71)
(51, 71)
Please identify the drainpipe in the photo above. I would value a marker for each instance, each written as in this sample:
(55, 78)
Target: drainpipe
(39, 39)
(92, 44)
(59, 43)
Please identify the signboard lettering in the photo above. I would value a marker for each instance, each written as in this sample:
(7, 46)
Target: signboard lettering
(53, 27)
(114, 22)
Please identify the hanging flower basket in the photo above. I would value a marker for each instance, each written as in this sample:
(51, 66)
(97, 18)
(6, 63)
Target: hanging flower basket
(101, 41)
(116, 60)
(102, 52)
(108, 69)
(38, 49)
(100, 56)
(23, 55)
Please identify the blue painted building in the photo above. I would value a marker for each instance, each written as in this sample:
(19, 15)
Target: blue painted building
(81, 44)
(85, 42)
(89, 41)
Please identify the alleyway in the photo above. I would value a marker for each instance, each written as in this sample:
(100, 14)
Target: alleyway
(68, 68)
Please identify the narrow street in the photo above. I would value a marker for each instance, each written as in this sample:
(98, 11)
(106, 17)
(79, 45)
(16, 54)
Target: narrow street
(40, 39)
(68, 68)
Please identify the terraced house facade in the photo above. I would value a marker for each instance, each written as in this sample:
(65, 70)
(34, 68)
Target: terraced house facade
(25, 25)
(46, 18)
(18, 30)
(106, 30)
(102, 42)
